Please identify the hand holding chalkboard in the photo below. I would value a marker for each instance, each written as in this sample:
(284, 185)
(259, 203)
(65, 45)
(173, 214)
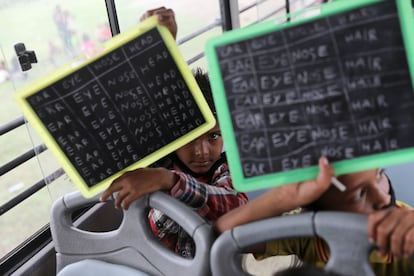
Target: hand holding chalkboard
(165, 17)
(129, 106)
(338, 85)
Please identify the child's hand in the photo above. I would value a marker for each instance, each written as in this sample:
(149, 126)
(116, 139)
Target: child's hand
(306, 192)
(278, 200)
(165, 17)
(135, 184)
(392, 230)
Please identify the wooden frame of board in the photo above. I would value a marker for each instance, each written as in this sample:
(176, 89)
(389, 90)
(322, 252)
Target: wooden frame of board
(245, 66)
(133, 103)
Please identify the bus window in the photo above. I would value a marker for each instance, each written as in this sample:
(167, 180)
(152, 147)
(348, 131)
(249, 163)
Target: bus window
(194, 22)
(30, 177)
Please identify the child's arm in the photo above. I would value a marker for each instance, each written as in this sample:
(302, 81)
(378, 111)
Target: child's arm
(137, 183)
(392, 229)
(209, 200)
(203, 197)
(279, 200)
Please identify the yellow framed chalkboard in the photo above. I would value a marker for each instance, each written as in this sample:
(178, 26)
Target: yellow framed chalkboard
(335, 84)
(130, 105)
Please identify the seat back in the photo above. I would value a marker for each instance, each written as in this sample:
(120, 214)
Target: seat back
(345, 234)
(133, 243)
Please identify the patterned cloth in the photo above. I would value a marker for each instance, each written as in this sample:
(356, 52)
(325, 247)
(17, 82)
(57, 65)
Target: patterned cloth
(209, 198)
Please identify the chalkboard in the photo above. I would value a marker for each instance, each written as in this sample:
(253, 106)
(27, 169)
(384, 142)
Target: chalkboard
(129, 106)
(338, 84)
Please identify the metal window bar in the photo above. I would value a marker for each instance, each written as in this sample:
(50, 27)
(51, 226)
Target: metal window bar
(18, 256)
(30, 191)
(226, 15)
(253, 5)
(11, 125)
(198, 32)
(112, 17)
(268, 15)
(202, 30)
(287, 7)
(195, 58)
(287, 10)
(22, 158)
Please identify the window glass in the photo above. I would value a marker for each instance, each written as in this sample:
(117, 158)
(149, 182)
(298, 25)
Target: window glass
(190, 16)
(57, 31)
(255, 11)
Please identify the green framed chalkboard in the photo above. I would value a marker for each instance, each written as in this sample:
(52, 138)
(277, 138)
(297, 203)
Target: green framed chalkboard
(337, 83)
(125, 108)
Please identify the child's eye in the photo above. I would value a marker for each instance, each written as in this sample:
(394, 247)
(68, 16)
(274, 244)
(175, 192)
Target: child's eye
(359, 195)
(214, 135)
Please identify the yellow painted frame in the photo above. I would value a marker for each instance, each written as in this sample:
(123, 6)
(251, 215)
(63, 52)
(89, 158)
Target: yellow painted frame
(115, 42)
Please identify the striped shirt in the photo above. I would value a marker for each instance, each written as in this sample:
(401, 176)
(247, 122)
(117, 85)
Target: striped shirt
(210, 199)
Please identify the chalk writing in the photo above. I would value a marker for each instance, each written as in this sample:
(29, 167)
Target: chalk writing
(338, 86)
(119, 108)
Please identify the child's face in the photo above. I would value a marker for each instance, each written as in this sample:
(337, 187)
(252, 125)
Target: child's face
(366, 192)
(200, 154)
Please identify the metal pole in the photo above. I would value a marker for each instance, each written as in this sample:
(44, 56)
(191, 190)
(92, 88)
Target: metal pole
(229, 14)
(112, 16)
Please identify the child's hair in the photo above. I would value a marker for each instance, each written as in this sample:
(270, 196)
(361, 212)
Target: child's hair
(203, 82)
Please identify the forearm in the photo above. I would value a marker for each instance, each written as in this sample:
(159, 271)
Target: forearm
(272, 203)
(220, 201)
(189, 191)
(132, 185)
(209, 200)
(279, 199)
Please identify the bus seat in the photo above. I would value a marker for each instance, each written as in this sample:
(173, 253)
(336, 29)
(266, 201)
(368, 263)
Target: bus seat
(345, 234)
(93, 267)
(132, 244)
